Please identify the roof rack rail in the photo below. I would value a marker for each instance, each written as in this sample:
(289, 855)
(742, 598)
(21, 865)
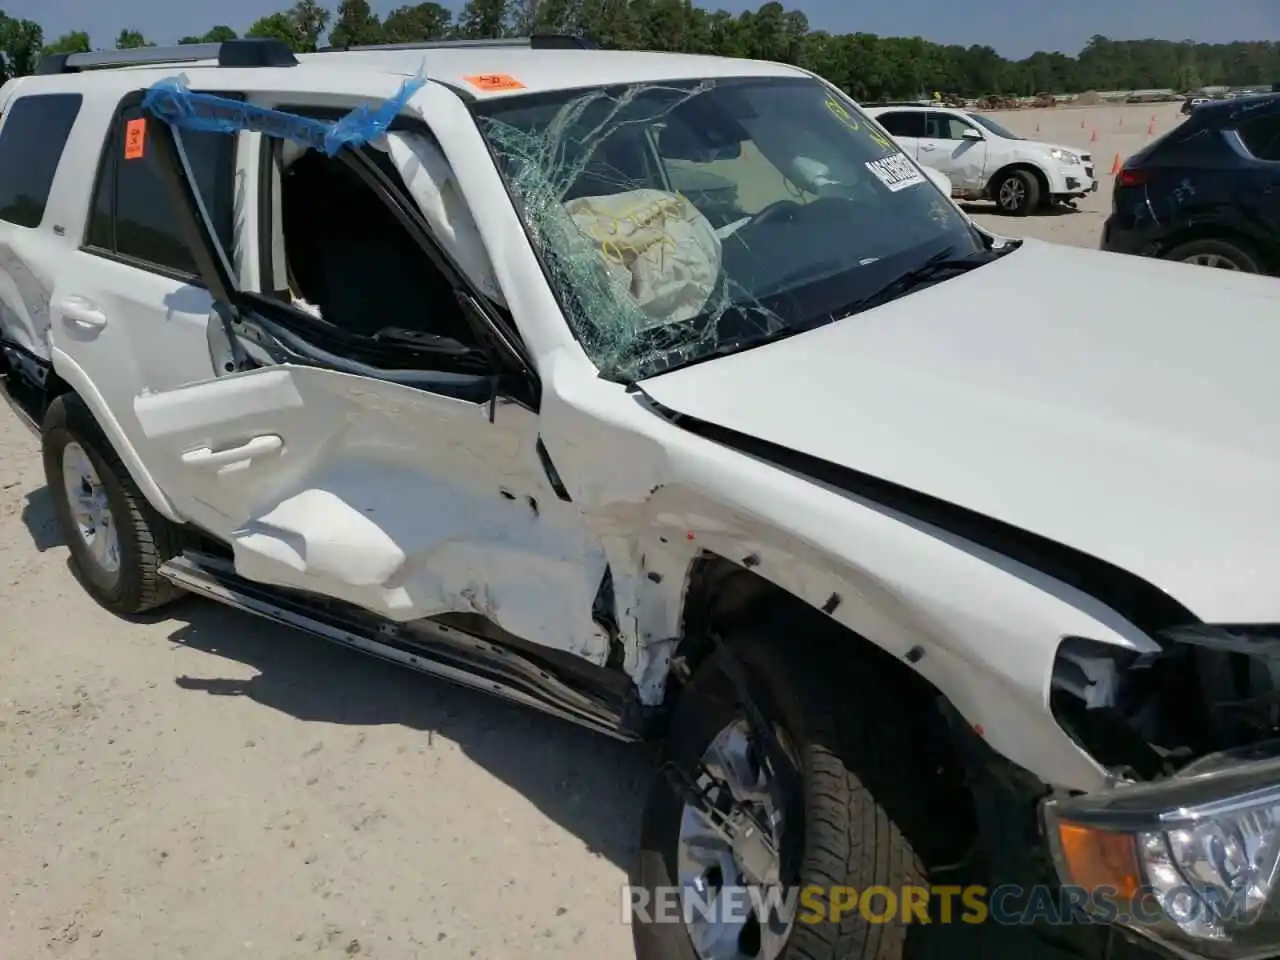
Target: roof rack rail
(244, 52)
(539, 41)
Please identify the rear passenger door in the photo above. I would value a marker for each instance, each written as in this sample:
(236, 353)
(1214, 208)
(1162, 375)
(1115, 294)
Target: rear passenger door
(129, 311)
(906, 127)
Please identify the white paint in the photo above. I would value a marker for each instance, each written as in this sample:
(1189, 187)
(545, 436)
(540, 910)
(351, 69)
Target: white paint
(971, 161)
(1144, 441)
(1158, 452)
(939, 179)
(384, 496)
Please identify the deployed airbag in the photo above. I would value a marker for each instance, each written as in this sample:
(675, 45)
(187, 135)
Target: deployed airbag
(657, 248)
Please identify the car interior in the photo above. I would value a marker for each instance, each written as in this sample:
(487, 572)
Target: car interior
(347, 255)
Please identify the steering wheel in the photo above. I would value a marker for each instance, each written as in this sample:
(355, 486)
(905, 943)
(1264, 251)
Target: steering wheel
(778, 210)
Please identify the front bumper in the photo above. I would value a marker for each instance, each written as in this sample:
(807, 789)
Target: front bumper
(1078, 183)
(1191, 863)
(1074, 179)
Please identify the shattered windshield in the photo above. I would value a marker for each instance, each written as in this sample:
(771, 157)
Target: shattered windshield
(682, 221)
(994, 127)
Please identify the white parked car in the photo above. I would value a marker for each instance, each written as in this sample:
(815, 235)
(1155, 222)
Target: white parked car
(985, 161)
(667, 395)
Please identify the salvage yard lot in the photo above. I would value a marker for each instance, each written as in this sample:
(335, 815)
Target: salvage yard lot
(204, 785)
(1120, 129)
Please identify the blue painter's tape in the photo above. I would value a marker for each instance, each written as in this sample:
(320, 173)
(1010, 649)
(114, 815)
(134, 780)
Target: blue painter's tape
(173, 101)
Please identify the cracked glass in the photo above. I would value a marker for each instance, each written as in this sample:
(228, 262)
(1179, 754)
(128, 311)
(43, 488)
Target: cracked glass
(687, 220)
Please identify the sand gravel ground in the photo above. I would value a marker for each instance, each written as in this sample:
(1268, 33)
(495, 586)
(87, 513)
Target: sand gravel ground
(203, 785)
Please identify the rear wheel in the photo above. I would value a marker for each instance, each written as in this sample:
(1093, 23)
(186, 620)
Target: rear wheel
(812, 800)
(1220, 254)
(117, 540)
(1017, 193)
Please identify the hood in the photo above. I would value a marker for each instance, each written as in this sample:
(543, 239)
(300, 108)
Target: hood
(1124, 407)
(1038, 148)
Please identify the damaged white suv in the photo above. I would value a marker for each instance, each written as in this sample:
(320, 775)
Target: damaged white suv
(667, 395)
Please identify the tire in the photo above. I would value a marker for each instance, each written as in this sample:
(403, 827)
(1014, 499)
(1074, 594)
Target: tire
(143, 539)
(1017, 193)
(1228, 254)
(854, 780)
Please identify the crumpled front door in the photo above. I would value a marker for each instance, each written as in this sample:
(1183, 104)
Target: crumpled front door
(408, 493)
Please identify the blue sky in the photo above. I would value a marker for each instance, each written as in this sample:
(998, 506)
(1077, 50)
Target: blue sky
(1014, 27)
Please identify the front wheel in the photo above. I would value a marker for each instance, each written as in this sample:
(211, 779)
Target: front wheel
(808, 808)
(1220, 254)
(117, 540)
(1017, 193)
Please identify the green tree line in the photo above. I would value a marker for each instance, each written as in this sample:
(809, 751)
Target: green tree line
(870, 67)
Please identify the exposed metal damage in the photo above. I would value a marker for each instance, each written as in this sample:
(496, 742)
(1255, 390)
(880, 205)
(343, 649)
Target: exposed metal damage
(1211, 688)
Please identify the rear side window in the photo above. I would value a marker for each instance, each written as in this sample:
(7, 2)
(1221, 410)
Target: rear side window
(32, 139)
(132, 215)
(1261, 137)
(1190, 144)
(903, 124)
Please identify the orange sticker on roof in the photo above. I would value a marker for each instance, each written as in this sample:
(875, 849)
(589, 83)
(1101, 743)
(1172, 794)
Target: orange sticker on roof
(135, 139)
(494, 82)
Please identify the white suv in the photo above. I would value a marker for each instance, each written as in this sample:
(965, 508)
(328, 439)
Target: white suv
(666, 394)
(987, 162)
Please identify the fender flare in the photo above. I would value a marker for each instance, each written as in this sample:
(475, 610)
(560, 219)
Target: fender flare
(75, 377)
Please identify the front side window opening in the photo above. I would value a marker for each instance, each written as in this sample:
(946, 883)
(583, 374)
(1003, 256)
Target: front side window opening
(684, 220)
(346, 259)
(997, 129)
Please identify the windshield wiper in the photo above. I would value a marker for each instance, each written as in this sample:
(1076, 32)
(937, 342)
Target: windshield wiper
(938, 267)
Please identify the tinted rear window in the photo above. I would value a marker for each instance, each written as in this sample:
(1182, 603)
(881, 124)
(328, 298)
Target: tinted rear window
(132, 214)
(1190, 144)
(32, 139)
(1261, 137)
(904, 123)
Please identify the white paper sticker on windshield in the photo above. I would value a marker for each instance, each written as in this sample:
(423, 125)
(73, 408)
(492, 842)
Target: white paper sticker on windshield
(896, 172)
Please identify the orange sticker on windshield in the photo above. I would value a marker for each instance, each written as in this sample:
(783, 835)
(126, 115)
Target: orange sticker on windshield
(135, 139)
(494, 82)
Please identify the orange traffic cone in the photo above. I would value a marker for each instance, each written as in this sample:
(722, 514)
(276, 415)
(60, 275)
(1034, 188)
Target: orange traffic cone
(1093, 137)
(1115, 166)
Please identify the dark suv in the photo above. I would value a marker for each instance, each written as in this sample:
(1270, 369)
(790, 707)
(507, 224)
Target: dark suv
(1207, 192)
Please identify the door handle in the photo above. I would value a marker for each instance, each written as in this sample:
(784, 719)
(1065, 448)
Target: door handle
(83, 313)
(262, 446)
(927, 146)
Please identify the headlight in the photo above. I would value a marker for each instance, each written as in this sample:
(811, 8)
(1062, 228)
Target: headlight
(1066, 156)
(1192, 861)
